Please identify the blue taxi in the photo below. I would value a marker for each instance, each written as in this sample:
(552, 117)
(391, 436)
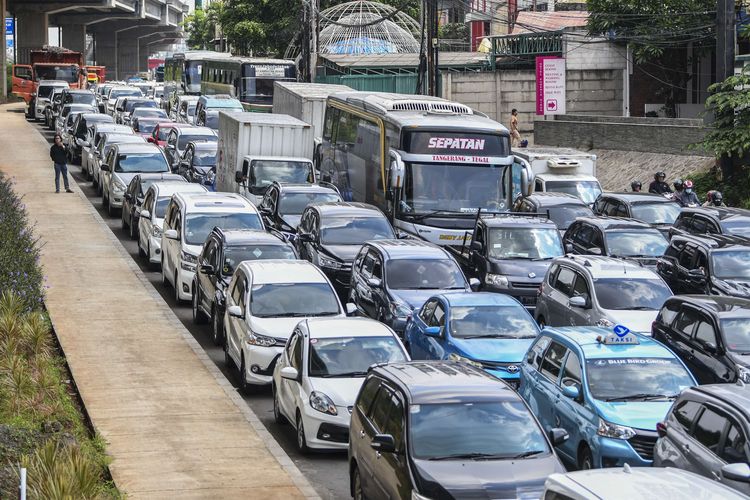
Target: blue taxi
(607, 387)
(488, 330)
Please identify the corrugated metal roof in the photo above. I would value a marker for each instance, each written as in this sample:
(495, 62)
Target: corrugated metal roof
(400, 60)
(533, 22)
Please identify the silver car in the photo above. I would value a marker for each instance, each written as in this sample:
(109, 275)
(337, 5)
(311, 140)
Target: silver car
(587, 290)
(706, 432)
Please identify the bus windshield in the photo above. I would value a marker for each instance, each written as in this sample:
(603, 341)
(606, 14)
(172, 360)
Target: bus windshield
(193, 75)
(453, 187)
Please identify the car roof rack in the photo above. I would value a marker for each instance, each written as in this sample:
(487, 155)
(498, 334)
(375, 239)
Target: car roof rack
(719, 240)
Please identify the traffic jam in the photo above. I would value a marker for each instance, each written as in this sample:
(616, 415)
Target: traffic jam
(459, 319)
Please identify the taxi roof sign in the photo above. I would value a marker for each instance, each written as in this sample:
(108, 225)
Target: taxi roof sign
(621, 335)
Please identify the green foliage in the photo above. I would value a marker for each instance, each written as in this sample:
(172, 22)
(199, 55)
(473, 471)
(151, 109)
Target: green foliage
(61, 471)
(199, 30)
(260, 27)
(734, 189)
(454, 31)
(730, 102)
(19, 249)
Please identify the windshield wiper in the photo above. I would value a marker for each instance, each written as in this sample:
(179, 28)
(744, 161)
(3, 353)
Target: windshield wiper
(641, 396)
(470, 456)
(491, 336)
(527, 454)
(542, 258)
(347, 374)
(438, 212)
(287, 315)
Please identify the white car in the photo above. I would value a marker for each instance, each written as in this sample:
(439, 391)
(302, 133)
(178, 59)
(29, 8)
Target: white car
(123, 162)
(88, 152)
(110, 139)
(189, 219)
(319, 374)
(151, 218)
(626, 483)
(44, 94)
(265, 300)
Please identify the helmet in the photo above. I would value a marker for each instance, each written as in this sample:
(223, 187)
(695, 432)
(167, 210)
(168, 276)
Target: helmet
(636, 185)
(717, 198)
(678, 184)
(688, 184)
(657, 175)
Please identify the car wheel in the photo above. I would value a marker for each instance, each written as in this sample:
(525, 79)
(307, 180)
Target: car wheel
(301, 439)
(110, 209)
(228, 361)
(277, 416)
(176, 288)
(124, 224)
(199, 318)
(132, 229)
(164, 280)
(245, 387)
(585, 459)
(541, 322)
(357, 491)
(217, 333)
(141, 253)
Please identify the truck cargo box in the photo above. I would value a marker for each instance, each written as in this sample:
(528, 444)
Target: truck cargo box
(305, 101)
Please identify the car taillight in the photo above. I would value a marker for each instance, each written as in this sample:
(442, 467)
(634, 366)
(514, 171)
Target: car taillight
(661, 429)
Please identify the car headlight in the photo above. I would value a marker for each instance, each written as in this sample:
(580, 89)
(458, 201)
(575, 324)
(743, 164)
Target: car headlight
(400, 310)
(328, 262)
(259, 340)
(322, 403)
(156, 231)
(455, 357)
(188, 261)
(610, 430)
(496, 280)
(117, 185)
(743, 374)
(605, 323)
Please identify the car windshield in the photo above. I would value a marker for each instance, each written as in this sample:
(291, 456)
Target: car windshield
(133, 105)
(656, 213)
(183, 140)
(198, 226)
(351, 356)
(736, 334)
(564, 215)
(273, 300)
(146, 127)
(731, 264)
(265, 172)
(451, 187)
(295, 203)
(211, 120)
(163, 133)
(492, 321)
(631, 243)
(354, 231)
(233, 255)
(64, 73)
(204, 158)
(161, 207)
(524, 243)
(141, 162)
(587, 191)
(737, 225)
(627, 294)
(424, 274)
(123, 92)
(634, 379)
(45, 91)
(191, 109)
(481, 430)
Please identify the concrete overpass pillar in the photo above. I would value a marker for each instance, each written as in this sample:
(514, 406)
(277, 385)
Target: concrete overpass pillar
(127, 56)
(74, 37)
(106, 52)
(31, 33)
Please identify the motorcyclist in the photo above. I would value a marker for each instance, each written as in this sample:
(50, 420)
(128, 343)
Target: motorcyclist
(636, 186)
(658, 185)
(714, 199)
(687, 198)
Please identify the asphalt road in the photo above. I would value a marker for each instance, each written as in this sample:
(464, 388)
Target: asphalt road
(327, 472)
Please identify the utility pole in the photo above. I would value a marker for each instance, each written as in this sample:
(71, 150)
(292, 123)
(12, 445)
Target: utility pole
(725, 26)
(305, 38)
(431, 12)
(315, 4)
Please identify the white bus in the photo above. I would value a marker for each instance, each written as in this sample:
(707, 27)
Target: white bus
(428, 163)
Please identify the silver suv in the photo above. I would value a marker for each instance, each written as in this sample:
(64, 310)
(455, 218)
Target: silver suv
(706, 432)
(587, 290)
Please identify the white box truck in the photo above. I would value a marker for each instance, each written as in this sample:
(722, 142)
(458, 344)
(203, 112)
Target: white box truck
(256, 149)
(305, 101)
(562, 170)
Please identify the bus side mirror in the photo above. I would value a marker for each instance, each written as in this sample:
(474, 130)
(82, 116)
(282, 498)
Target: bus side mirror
(397, 170)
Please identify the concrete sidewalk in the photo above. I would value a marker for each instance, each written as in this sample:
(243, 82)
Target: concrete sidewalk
(174, 425)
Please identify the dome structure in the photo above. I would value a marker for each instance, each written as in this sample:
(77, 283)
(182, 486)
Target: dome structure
(366, 27)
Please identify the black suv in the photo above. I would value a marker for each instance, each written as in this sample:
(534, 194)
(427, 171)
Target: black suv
(134, 195)
(712, 265)
(653, 209)
(615, 237)
(283, 204)
(198, 163)
(392, 278)
(439, 429)
(562, 208)
(711, 334)
(222, 252)
(330, 236)
(713, 220)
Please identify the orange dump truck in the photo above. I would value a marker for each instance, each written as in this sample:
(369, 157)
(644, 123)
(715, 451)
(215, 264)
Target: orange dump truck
(48, 63)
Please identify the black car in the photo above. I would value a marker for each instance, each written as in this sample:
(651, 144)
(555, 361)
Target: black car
(133, 199)
(330, 236)
(615, 237)
(510, 254)
(711, 334)
(283, 204)
(712, 220)
(653, 209)
(198, 163)
(83, 130)
(445, 430)
(222, 252)
(561, 208)
(392, 278)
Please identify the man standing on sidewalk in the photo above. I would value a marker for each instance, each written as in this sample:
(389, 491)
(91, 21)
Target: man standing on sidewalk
(515, 135)
(59, 158)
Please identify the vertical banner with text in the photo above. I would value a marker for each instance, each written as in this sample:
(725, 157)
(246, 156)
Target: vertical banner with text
(550, 85)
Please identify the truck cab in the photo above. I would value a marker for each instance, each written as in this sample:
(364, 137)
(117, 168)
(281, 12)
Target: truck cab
(48, 63)
(259, 172)
(562, 170)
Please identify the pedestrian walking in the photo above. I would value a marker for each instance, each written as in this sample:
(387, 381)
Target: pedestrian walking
(515, 135)
(59, 156)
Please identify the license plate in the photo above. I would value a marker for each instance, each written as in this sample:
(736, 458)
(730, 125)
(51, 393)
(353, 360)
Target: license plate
(528, 300)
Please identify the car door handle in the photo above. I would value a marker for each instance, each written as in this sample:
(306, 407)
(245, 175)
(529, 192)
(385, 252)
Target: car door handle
(378, 455)
(715, 475)
(686, 448)
(361, 434)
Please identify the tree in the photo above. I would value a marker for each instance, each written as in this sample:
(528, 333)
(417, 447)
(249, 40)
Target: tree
(199, 30)
(729, 134)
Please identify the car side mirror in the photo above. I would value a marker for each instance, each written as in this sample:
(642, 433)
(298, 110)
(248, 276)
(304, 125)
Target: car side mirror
(474, 284)
(558, 436)
(289, 373)
(374, 282)
(104, 167)
(571, 391)
(151, 140)
(235, 312)
(145, 214)
(128, 196)
(207, 269)
(709, 347)
(239, 177)
(736, 472)
(432, 331)
(171, 234)
(384, 443)
(401, 235)
(351, 309)
(578, 301)
(568, 248)
(305, 237)
(477, 246)
(594, 251)
(697, 273)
